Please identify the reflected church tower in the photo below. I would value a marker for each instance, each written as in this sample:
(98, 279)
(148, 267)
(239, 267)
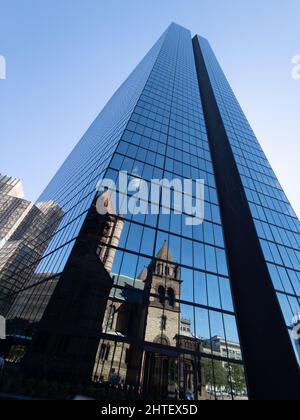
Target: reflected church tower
(159, 370)
(164, 310)
(111, 234)
(148, 311)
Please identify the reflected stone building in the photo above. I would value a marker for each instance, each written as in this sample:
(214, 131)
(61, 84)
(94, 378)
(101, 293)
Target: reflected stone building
(111, 234)
(148, 309)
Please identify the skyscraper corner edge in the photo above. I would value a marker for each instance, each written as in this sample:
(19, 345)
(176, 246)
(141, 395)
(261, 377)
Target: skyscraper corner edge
(250, 278)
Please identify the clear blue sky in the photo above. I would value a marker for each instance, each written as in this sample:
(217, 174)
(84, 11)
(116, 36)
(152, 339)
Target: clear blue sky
(65, 58)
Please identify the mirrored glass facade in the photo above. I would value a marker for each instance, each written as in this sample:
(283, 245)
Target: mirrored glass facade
(141, 305)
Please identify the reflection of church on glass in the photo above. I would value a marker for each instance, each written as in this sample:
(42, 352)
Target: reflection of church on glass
(147, 310)
(164, 310)
(117, 329)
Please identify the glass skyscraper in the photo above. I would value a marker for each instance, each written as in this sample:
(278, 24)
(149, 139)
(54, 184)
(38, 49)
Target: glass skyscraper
(13, 207)
(146, 305)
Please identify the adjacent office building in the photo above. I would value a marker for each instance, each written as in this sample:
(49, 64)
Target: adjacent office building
(146, 300)
(13, 206)
(25, 231)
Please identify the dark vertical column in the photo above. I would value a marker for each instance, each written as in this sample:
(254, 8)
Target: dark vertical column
(271, 367)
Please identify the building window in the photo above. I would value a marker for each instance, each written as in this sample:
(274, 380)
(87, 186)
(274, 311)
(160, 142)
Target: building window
(104, 352)
(111, 317)
(127, 356)
(163, 323)
(171, 297)
(161, 294)
(159, 269)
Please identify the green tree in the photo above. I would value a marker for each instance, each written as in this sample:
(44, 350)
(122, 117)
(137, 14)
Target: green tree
(238, 378)
(215, 374)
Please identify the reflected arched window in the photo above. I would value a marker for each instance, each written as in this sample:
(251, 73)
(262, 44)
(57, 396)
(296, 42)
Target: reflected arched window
(111, 317)
(171, 297)
(162, 339)
(161, 294)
